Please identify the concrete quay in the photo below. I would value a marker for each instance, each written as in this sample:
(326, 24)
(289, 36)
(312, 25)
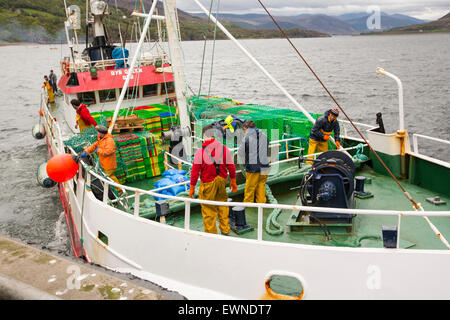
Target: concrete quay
(27, 273)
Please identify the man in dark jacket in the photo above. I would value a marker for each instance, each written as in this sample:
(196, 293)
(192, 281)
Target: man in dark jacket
(53, 81)
(321, 132)
(254, 149)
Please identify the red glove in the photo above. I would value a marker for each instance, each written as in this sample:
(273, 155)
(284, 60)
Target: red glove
(326, 137)
(233, 185)
(191, 192)
(338, 145)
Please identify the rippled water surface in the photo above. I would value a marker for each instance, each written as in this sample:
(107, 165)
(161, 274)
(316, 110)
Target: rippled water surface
(345, 64)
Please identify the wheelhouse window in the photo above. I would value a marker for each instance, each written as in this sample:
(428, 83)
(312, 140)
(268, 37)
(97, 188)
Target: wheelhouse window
(170, 87)
(107, 95)
(87, 97)
(132, 93)
(150, 90)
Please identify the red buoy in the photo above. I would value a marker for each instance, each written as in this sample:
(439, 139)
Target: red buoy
(62, 167)
(41, 113)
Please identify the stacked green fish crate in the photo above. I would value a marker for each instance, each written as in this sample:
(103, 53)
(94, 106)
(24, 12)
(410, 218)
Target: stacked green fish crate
(278, 123)
(139, 154)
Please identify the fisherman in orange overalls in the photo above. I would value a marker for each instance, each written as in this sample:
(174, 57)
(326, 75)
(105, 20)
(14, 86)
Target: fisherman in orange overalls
(105, 147)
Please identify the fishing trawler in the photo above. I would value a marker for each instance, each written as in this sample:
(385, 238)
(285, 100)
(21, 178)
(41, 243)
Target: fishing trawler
(367, 221)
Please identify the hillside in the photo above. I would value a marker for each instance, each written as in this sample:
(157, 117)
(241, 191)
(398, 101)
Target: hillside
(42, 21)
(350, 23)
(388, 21)
(440, 25)
(319, 22)
(328, 24)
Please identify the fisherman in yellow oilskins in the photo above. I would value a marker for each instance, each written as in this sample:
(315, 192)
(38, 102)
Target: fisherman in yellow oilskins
(50, 93)
(254, 150)
(213, 163)
(321, 132)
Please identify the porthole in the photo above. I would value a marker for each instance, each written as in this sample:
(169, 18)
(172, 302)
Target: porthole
(284, 287)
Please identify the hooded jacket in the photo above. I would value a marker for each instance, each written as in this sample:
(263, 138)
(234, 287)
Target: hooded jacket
(106, 151)
(254, 149)
(323, 125)
(204, 167)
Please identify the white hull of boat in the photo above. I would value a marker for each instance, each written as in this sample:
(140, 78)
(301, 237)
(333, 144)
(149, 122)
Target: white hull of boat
(205, 266)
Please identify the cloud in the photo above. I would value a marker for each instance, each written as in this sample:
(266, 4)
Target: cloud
(434, 9)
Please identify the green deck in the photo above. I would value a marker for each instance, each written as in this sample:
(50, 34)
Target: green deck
(415, 231)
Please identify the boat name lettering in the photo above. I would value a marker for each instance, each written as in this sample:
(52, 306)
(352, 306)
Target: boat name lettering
(124, 71)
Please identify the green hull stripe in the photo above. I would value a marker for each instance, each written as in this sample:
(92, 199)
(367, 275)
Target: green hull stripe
(429, 175)
(392, 162)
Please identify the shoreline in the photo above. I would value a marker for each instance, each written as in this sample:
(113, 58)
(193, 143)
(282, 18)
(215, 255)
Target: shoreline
(5, 44)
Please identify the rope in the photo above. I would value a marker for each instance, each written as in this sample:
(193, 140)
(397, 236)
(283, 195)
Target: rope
(408, 196)
(359, 153)
(272, 219)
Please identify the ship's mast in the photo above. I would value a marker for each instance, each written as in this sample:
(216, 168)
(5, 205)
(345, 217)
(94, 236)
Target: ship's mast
(98, 10)
(132, 65)
(174, 41)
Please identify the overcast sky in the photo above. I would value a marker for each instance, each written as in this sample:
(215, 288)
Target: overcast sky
(422, 9)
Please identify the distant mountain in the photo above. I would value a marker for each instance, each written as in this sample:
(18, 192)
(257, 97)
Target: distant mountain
(445, 17)
(359, 21)
(350, 23)
(440, 25)
(327, 24)
(318, 22)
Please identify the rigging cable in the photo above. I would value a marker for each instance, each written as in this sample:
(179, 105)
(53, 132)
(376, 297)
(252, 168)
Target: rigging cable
(407, 195)
(335, 101)
(201, 70)
(214, 47)
(204, 53)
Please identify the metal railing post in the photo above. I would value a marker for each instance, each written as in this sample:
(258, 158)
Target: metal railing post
(105, 192)
(187, 215)
(415, 144)
(136, 203)
(88, 179)
(398, 230)
(260, 223)
(287, 150)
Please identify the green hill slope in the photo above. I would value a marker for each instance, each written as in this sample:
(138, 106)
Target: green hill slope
(43, 20)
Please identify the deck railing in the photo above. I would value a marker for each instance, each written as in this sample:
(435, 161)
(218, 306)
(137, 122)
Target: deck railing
(259, 206)
(55, 130)
(84, 65)
(417, 153)
(346, 126)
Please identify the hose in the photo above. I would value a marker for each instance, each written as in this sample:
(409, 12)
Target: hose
(272, 219)
(356, 242)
